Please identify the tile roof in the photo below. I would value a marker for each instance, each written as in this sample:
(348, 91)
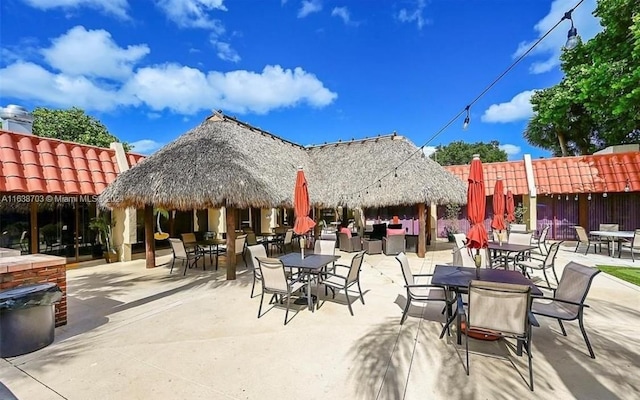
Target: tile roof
(33, 164)
(580, 174)
(583, 174)
(512, 173)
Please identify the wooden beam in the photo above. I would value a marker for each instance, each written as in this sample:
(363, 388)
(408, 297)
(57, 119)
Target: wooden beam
(422, 230)
(231, 242)
(149, 240)
(33, 221)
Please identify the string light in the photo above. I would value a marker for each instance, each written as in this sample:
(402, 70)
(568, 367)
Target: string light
(589, 197)
(604, 194)
(465, 125)
(627, 187)
(567, 198)
(576, 198)
(572, 35)
(466, 110)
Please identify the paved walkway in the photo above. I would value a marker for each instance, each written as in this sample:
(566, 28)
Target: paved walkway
(135, 333)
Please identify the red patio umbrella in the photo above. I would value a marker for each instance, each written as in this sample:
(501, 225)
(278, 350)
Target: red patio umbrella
(511, 207)
(476, 200)
(498, 206)
(301, 205)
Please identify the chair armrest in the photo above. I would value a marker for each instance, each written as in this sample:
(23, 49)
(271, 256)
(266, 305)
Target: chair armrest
(336, 275)
(424, 285)
(573, 303)
(532, 319)
(422, 275)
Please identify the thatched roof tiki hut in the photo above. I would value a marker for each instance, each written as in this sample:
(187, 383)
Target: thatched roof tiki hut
(225, 162)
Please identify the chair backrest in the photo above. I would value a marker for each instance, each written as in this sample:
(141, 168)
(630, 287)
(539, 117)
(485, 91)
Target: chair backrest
(517, 228)
(325, 247)
(463, 257)
(279, 229)
(354, 270)
(460, 238)
(582, 234)
(636, 239)
(256, 251)
(240, 241)
(551, 255)
(609, 227)
(574, 284)
(251, 239)
(544, 233)
(501, 307)
(178, 248)
(288, 236)
(188, 238)
(273, 275)
(247, 229)
(519, 238)
(406, 269)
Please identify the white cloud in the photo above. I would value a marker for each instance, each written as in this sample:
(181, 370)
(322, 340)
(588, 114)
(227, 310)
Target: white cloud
(510, 149)
(551, 47)
(105, 59)
(414, 15)
(117, 8)
(429, 150)
(309, 7)
(226, 53)
(145, 146)
(518, 108)
(170, 86)
(343, 13)
(192, 13)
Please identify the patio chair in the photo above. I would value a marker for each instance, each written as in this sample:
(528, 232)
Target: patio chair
(325, 247)
(502, 309)
(583, 239)
(393, 244)
(542, 264)
(609, 240)
(463, 257)
(349, 244)
(568, 299)
(283, 242)
(424, 292)
(541, 241)
(520, 228)
(334, 281)
(252, 240)
(275, 282)
(461, 239)
(189, 259)
(189, 240)
(256, 251)
(633, 245)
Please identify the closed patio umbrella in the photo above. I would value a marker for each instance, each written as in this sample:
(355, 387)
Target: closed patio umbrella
(498, 206)
(301, 206)
(511, 208)
(477, 236)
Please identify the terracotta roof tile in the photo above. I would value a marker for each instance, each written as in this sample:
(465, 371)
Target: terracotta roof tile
(32, 164)
(593, 173)
(512, 173)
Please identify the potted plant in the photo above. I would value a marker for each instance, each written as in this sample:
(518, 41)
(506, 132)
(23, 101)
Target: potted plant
(102, 225)
(451, 214)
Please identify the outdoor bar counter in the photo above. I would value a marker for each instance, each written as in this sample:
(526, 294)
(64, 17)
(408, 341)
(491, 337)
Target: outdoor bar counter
(36, 268)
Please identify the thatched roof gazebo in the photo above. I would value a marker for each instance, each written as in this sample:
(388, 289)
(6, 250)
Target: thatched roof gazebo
(225, 162)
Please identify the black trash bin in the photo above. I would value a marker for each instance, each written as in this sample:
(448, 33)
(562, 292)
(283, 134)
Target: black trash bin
(27, 318)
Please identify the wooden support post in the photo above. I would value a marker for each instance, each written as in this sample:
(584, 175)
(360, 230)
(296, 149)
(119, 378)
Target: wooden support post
(33, 221)
(231, 242)
(422, 230)
(149, 240)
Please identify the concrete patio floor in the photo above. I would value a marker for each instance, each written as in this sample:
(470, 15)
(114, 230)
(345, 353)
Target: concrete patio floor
(135, 333)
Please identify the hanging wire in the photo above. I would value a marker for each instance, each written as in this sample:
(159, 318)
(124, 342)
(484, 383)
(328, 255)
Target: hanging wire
(472, 102)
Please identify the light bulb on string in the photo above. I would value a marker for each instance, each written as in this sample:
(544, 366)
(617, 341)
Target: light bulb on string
(572, 35)
(467, 118)
(379, 184)
(395, 173)
(576, 198)
(589, 197)
(604, 194)
(627, 187)
(567, 198)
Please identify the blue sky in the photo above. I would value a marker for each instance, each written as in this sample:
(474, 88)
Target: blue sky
(310, 71)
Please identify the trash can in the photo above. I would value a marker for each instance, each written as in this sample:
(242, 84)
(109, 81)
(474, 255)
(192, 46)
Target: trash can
(27, 318)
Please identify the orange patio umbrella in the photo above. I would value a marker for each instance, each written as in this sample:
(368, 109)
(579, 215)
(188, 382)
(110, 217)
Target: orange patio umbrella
(511, 207)
(498, 206)
(476, 200)
(301, 206)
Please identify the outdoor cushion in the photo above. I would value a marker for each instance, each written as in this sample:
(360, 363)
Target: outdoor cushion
(395, 232)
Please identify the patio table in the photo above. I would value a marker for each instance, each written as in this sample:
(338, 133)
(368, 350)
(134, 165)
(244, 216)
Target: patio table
(509, 248)
(618, 235)
(311, 263)
(457, 279)
(210, 244)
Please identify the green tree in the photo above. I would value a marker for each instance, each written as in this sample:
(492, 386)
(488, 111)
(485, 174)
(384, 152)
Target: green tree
(597, 103)
(72, 125)
(459, 152)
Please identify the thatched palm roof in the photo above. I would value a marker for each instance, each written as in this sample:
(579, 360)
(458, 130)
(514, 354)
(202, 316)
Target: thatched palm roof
(226, 162)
